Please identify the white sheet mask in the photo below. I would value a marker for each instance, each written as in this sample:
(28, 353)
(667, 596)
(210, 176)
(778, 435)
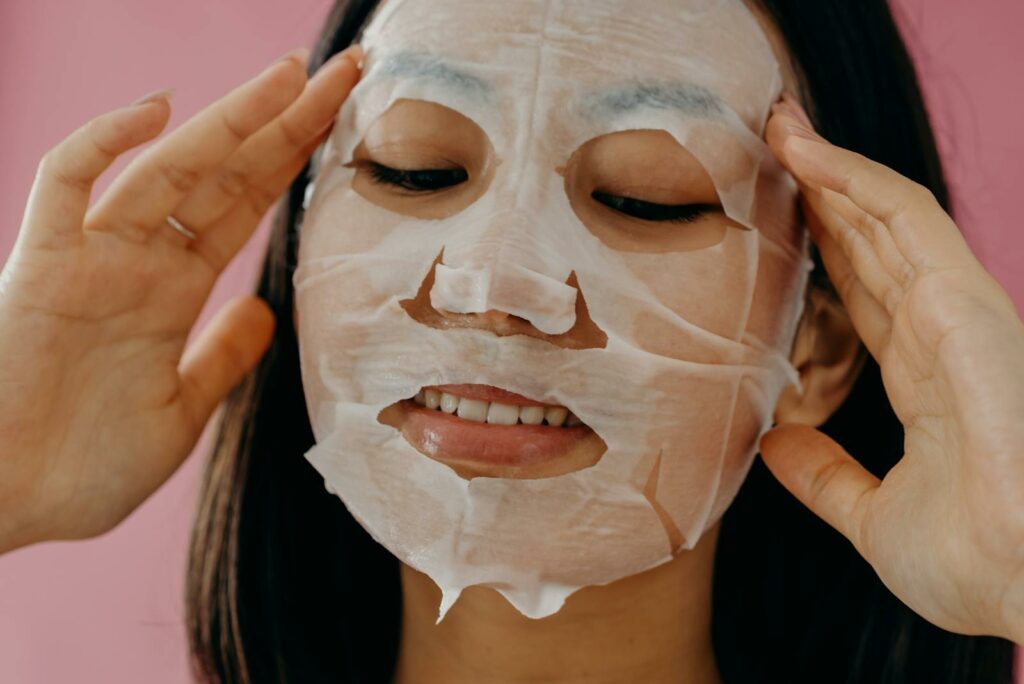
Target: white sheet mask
(697, 341)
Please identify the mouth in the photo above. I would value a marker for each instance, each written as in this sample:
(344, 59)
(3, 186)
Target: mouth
(486, 431)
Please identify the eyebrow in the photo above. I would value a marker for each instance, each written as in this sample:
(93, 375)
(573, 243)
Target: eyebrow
(688, 98)
(420, 65)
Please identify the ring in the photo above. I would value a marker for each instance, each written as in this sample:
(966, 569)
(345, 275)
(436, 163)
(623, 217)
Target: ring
(176, 225)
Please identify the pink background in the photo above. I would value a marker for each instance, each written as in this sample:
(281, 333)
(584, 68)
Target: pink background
(110, 610)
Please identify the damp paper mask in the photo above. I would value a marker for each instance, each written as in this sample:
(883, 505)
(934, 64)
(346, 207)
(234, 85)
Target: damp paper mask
(698, 340)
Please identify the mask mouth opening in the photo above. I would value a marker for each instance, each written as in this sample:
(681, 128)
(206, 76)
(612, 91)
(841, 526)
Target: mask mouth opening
(486, 431)
(494, 406)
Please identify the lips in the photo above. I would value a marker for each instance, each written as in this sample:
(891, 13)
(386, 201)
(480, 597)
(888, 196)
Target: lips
(481, 430)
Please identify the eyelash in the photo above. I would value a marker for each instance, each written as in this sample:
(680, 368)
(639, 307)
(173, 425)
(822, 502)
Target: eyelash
(433, 180)
(417, 181)
(649, 211)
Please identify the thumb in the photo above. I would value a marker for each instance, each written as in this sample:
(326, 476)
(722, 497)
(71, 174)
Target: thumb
(223, 353)
(822, 475)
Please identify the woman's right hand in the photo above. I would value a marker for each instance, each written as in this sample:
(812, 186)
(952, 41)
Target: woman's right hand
(99, 400)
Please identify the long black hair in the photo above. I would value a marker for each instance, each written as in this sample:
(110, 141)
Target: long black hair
(269, 601)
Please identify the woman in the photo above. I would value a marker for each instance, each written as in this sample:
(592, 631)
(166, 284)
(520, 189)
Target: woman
(270, 600)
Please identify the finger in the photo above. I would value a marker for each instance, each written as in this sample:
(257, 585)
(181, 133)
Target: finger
(60, 193)
(273, 146)
(872, 322)
(139, 200)
(892, 274)
(825, 478)
(234, 229)
(223, 354)
(866, 242)
(922, 232)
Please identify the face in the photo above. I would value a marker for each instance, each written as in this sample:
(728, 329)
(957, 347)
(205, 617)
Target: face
(548, 283)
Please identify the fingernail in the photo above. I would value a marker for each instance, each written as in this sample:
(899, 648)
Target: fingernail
(348, 53)
(301, 55)
(164, 94)
(355, 49)
(358, 53)
(353, 53)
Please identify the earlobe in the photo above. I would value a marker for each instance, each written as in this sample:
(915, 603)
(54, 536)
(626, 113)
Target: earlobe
(828, 355)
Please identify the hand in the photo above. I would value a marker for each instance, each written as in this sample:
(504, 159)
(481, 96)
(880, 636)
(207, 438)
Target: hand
(99, 400)
(944, 529)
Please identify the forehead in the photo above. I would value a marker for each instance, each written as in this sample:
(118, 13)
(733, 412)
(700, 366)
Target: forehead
(694, 53)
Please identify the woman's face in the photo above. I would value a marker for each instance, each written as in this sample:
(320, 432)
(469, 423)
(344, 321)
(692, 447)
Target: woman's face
(548, 209)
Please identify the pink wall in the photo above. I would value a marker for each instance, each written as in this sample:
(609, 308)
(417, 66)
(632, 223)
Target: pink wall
(109, 610)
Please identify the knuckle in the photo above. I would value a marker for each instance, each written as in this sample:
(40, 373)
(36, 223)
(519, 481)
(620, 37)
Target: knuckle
(905, 273)
(294, 136)
(917, 198)
(865, 224)
(232, 182)
(857, 175)
(848, 240)
(132, 228)
(823, 480)
(849, 182)
(845, 285)
(260, 200)
(107, 137)
(861, 532)
(54, 165)
(233, 129)
(181, 179)
(49, 162)
(891, 298)
(901, 215)
(922, 195)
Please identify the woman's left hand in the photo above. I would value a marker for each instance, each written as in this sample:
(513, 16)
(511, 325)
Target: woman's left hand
(944, 529)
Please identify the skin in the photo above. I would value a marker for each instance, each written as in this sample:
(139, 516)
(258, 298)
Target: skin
(100, 400)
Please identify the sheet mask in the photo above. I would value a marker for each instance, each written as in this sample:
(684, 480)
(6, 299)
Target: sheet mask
(698, 341)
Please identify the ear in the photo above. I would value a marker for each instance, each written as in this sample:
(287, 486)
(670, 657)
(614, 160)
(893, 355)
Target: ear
(828, 355)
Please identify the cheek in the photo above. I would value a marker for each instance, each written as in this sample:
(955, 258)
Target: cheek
(778, 295)
(746, 289)
(709, 288)
(340, 221)
(339, 229)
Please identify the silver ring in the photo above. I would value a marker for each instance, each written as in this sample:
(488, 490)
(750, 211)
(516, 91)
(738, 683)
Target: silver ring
(176, 225)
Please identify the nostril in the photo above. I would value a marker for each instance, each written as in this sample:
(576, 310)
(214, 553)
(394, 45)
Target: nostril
(583, 333)
(497, 316)
(474, 288)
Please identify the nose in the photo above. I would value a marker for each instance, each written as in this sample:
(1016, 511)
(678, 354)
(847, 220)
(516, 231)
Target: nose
(499, 289)
(511, 262)
(582, 332)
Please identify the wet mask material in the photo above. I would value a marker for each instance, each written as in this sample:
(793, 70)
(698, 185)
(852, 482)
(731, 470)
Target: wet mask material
(698, 339)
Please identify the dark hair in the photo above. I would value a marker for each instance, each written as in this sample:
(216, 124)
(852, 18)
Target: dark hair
(269, 601)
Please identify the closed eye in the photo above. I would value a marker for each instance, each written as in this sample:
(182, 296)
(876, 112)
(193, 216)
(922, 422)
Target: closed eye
(416, 180)
(649, 211)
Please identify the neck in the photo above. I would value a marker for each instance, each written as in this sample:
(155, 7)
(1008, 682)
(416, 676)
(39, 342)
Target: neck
(652, 627)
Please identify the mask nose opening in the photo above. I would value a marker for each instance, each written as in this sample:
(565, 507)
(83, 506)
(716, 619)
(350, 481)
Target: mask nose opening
(466, 300)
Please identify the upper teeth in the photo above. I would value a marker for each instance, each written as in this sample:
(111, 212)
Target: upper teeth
(495, 413)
